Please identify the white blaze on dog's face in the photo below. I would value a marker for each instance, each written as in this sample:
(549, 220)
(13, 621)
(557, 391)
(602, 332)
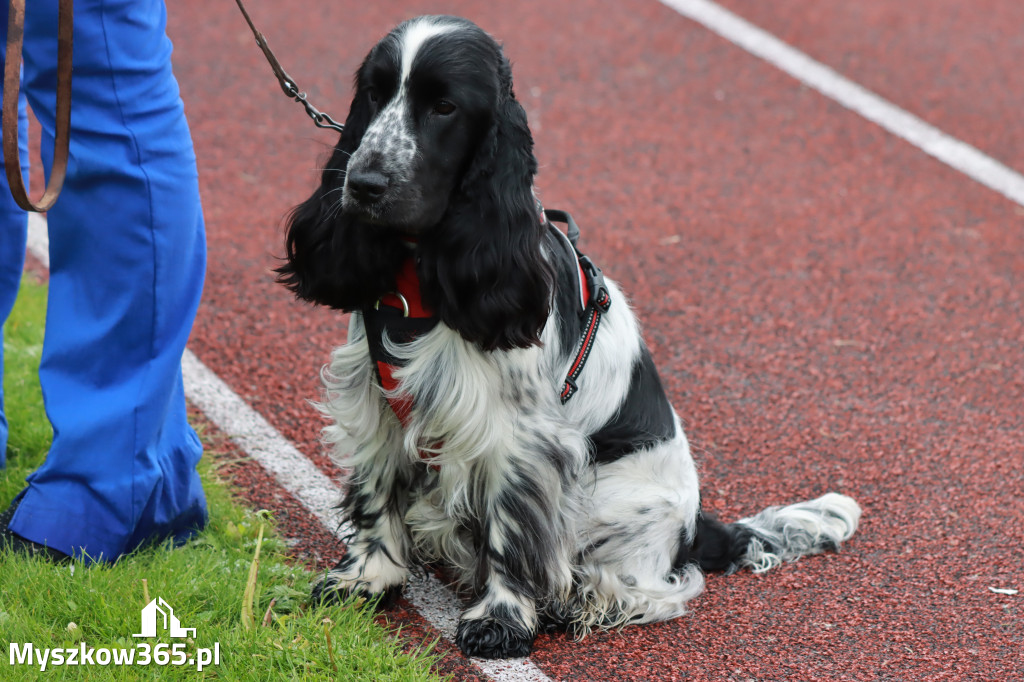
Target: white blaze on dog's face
(429, 103)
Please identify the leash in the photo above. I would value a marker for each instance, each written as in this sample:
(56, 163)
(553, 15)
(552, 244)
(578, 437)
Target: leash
(290, 88)
(12, 85)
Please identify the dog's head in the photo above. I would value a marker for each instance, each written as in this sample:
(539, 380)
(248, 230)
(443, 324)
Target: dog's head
(436, 152)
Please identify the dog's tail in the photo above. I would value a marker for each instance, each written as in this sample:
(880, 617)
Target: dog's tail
(774, 536)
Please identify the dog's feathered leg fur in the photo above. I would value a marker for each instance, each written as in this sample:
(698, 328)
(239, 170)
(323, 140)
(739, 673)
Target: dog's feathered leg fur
(376, 498)
(523, 549)
(507, 471)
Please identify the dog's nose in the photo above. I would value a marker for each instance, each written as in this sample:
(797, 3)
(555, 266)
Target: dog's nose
(366, 185)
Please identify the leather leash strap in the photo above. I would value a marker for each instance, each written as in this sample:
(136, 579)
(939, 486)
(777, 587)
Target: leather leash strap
(12, 82)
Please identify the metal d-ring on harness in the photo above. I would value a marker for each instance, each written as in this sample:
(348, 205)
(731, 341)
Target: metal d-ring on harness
(320, 119)
(401, 299)
(596, 302)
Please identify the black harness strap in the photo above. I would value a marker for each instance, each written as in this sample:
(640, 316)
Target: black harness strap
(596, 303)
(403, 326)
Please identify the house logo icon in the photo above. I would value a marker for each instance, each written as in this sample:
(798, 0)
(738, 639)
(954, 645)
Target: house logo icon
(170, 621)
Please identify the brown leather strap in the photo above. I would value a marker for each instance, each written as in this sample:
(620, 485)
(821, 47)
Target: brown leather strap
(12, 79)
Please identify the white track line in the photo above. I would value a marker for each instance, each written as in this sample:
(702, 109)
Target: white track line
(300, 477)
(38, 239)
(901, 123)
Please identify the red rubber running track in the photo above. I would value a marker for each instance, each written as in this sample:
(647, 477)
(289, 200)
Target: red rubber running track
(831, 308)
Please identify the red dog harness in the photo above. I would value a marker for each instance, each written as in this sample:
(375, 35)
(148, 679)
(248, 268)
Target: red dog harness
(404, 317)
(416, 320)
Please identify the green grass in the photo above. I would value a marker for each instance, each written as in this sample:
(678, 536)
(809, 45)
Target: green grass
(205, 581)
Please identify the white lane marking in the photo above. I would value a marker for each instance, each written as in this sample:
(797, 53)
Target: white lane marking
(300, 477)
(39, 239)
(261, 442)
(901, 123)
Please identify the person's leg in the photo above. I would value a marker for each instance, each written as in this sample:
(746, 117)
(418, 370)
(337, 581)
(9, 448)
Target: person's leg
(127, 258)
(13, 223)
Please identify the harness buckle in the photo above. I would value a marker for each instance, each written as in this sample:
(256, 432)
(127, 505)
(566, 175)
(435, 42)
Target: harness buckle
(596, 286)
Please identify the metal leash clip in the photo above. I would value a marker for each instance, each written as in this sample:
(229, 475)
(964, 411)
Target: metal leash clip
(290, 88)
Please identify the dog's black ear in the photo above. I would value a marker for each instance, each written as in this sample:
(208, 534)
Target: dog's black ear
(483, 270)
(331, 259)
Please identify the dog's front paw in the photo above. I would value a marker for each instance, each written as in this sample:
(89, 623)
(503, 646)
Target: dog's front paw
(350, 579)
(330, 591)
(494, 637)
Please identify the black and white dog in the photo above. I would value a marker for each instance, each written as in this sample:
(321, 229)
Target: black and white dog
(486, 423)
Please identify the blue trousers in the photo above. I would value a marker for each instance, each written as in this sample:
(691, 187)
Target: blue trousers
(127, 261)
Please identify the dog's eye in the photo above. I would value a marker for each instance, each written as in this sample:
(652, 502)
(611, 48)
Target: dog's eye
(444, 107)
(372, 94)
